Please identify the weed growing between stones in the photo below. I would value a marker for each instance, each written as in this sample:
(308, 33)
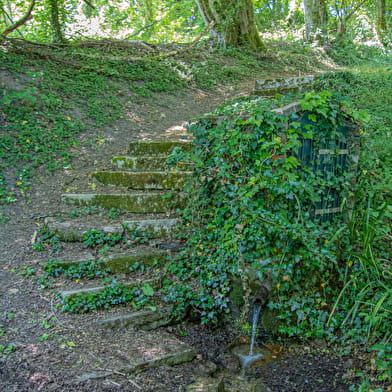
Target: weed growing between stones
(47, 239)
(83, 269)
(95, 238)
(113, 295)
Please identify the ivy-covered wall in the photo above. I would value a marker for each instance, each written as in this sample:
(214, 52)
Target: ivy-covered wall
(251, 213)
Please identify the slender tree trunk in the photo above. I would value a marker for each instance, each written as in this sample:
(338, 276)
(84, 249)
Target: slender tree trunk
(316, 18)
(381, 23)
(150, 18)
(55, 21)
(381, 11)
(234, 22)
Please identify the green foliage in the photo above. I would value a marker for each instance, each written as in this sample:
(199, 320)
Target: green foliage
(364, 302)
(6, 350)
(41, 121)
(46, 239)
(114, 213)
(115, 294)
(94, 238)
(85, 269)
(140, 267)
(251, 202)
(138, 237)
(377, 377)
(208, 73)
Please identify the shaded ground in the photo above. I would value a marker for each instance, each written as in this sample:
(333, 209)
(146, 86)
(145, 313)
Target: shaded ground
(47, 349)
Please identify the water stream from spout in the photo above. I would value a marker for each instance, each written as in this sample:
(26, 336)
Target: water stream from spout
(256, 314)
(247, 360)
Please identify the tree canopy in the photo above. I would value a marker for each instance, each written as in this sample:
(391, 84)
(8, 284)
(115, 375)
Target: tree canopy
(235, 23)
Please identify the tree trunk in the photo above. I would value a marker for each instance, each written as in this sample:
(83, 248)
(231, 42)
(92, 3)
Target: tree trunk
(55, 21)
(381, 23)
(381, 11)
(234, 22)
(316, 18)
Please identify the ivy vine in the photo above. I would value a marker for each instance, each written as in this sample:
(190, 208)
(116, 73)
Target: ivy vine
(252, 199)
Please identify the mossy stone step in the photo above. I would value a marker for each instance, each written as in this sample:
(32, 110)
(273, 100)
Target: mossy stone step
(142, 319)
(134, 351)
(143, 180)
(74, 293)
(155, 149)
(145, 163)
(148, 257)
(122, 262)
(151, 202)
(155, 228)
(74, 230)
(269, 87)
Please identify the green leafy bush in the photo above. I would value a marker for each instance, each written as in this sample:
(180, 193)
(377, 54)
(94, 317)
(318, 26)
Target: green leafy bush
(252, 203)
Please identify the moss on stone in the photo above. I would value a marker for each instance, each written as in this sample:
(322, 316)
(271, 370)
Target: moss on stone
(155, 148)
(155, 228)
(143, 180)
(121, 263)
(138, 203)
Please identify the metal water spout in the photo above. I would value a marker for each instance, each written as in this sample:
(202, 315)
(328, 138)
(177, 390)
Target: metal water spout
(261, 296)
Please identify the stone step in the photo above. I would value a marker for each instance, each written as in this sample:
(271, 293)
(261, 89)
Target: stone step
(133, 351)
(121, 262)
(226, 382)
(91, 289)
(142, 319)
(155, 149)
(143, 163)
(148, 257)
(151, 202)
(269, 87)
(155, 228)
(74, 230)
(143, 180)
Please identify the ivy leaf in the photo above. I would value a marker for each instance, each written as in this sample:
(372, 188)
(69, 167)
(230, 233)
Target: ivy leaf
(147, 290)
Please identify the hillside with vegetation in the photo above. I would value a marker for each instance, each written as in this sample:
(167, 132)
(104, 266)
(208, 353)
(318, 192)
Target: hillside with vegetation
(80, 80)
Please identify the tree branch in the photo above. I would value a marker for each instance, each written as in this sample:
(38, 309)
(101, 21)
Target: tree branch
(21, 21)
(354, 9)
(144, 28)
(10, 21)
(89, 4)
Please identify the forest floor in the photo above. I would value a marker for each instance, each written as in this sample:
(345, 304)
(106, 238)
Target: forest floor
(46, 349)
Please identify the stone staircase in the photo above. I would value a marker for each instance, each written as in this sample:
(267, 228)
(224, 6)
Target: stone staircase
(144, 187)
(145, 192)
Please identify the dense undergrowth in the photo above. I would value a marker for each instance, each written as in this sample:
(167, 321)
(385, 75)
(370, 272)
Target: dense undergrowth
(251, 213)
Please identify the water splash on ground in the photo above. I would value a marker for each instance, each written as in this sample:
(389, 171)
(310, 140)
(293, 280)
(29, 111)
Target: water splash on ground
(247, 360)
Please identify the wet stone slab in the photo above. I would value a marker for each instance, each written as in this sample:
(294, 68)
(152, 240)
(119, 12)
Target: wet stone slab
(143, 319)
(134, 352)
(227, 383)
